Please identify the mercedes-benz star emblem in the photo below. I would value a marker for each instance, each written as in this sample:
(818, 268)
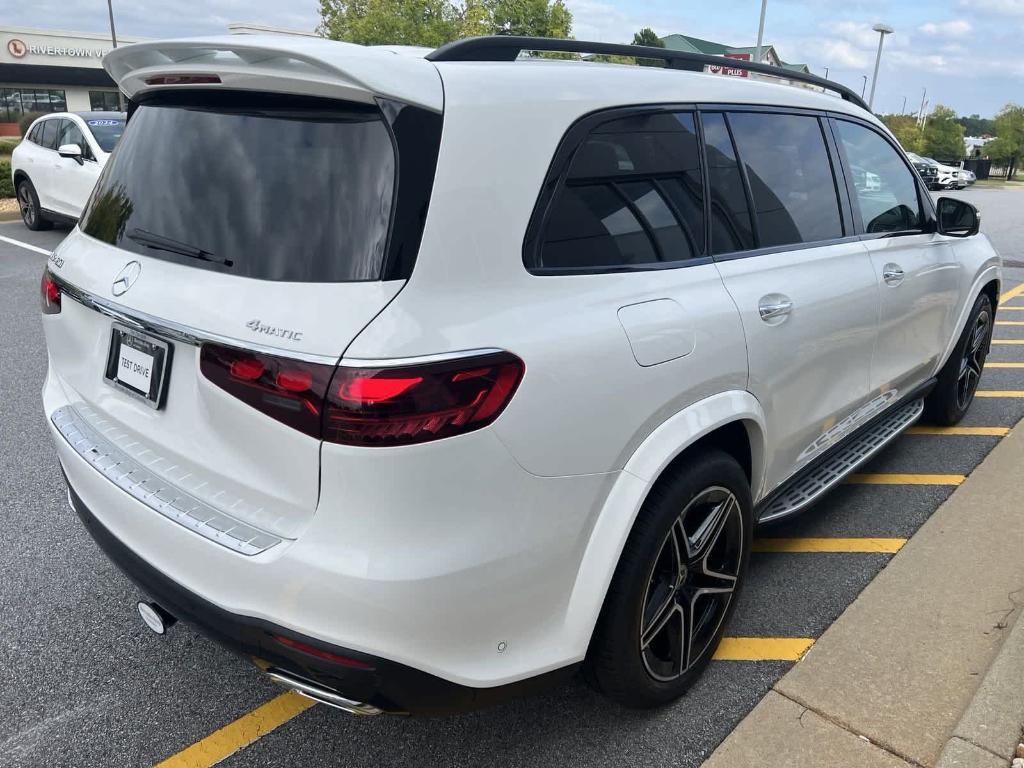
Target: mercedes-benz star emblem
(126, 277)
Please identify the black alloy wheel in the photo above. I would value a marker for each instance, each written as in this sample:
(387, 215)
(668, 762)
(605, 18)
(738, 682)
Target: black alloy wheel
(973, 360)
(691, 584)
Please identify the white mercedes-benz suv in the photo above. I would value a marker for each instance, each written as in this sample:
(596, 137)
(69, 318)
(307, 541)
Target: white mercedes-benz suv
(56, 165)
(423, 378)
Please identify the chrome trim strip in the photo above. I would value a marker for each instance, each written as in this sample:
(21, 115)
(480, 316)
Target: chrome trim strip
(392, 362)
(322, 695)
(156, 493)
(169, 329)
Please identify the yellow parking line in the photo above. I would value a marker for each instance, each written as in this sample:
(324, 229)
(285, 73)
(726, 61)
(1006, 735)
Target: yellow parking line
(1007, 341)
(1013, 293)
(999, 393)
(763, 648)
(1009, 322)
(898, 479)
(829, 545)
(991, 364)
(976, 431)
(241, 733)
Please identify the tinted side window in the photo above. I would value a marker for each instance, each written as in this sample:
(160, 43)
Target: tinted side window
(48, 136)
(34, 134)
(730, 217)
(791, 182)
(885, 186)
(72, 134)
(632, 196)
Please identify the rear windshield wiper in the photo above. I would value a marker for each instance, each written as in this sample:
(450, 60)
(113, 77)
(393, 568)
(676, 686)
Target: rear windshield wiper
(161, 243)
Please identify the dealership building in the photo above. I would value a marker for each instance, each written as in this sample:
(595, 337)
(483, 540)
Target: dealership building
(44, 70)
(52, 71)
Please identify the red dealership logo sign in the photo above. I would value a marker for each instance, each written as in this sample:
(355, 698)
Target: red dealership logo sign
(16, 48)
(730, 71)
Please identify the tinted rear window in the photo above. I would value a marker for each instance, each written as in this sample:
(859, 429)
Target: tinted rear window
(633, 196)
(270, 188)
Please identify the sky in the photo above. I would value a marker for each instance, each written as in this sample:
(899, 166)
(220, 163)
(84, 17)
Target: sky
(966, 53)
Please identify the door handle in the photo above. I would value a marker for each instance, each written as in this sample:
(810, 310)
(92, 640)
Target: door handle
(892, 274)
(774, 306)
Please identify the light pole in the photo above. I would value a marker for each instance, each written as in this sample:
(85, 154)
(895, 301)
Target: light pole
(113, 39)
(863, 86)
(882, 30)
(826, 73)
(903, 109)
(760, 31)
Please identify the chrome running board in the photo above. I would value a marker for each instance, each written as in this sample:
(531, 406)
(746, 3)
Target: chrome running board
(320, 694)
(810, 484)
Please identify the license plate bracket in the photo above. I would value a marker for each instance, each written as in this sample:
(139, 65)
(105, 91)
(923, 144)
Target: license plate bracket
(138, 364)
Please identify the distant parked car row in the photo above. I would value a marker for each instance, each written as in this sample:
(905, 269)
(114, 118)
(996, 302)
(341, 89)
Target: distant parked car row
(56, 165)
(939, 176)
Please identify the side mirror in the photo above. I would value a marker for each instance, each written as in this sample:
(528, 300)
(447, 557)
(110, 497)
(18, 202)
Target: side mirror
(72, 151)
(957, 218)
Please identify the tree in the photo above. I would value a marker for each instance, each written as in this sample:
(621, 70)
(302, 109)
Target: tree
(943, 136)
(1008, 146)
(906, 130)
(976, 125)
(434, 22)
(648, 37)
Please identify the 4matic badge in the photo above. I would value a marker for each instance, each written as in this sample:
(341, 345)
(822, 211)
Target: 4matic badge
(258, 326)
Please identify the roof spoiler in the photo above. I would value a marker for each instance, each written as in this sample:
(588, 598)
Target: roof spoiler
(298, 65)
(508, 48)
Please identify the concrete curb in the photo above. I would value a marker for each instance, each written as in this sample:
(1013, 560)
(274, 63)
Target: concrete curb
(923, 663)
(993, 720)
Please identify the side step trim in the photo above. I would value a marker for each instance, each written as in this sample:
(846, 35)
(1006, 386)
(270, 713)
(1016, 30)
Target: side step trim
(812, 483)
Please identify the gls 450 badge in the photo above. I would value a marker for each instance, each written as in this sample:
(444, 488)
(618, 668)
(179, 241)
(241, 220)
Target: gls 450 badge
(259, 326)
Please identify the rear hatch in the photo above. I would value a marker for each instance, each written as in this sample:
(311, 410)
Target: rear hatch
(252, 237)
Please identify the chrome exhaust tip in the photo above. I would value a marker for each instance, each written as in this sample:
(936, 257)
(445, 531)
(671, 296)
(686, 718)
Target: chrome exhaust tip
(155, 617)
(320, 694)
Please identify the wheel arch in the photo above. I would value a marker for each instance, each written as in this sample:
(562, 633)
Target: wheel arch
(989, 281)
(730, 421)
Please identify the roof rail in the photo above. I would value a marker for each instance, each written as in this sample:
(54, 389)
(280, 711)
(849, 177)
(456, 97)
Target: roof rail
(508, 48)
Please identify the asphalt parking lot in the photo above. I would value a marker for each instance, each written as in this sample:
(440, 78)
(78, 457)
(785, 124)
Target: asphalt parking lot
(84, 683)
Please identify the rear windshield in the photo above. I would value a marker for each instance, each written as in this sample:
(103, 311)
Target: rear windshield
(106, 131)
(272, 188)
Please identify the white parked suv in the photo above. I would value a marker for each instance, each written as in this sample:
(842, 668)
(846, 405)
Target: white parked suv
(56, 165)
(423, 378)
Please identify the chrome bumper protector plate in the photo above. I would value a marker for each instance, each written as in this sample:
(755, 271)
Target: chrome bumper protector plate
(156, 493)
(811, 484)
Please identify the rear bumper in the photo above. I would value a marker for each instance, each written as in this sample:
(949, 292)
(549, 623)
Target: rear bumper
(384, 684)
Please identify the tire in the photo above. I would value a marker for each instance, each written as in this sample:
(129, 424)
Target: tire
(637, 655)
(31, 213)
(958, 379)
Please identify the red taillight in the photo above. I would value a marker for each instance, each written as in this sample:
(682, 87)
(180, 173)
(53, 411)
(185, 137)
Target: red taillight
(417, 403)
(291, 391)
(369, 406)
(366, 390)
(321, 654)
(182, 79)
(49, 294)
